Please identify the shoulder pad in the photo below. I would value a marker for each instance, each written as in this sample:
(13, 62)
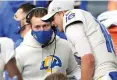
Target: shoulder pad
(72, 16)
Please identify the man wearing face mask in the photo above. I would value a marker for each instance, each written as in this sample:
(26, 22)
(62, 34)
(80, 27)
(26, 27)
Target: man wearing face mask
(20, 17)
(42, 52)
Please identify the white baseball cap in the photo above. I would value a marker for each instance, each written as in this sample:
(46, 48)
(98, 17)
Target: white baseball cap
(56, 6)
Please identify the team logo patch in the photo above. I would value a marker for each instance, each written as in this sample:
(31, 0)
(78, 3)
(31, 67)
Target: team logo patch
(70, 16)
(49, 64)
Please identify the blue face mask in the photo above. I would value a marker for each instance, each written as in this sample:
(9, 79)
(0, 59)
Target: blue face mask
(18, 26)
(42, 37)
(20, 29)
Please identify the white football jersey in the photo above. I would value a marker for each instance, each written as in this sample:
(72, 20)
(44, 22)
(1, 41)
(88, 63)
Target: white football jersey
(6, 53)
(87, 35)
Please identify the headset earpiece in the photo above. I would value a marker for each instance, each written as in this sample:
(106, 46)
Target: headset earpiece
(28, 15)
(28, 21)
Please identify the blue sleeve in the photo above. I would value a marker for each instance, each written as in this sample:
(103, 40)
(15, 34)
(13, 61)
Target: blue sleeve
(17, 43)
(60, 34)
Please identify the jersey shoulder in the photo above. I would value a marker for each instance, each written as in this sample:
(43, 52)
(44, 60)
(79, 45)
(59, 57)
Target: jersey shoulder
(72, 16)
(7, 49)
(6, 42)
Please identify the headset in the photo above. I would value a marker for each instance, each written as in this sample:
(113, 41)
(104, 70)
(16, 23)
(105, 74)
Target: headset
(29, 13)
(53, 28)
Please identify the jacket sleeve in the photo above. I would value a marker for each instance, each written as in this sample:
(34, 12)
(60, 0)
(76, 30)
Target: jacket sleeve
(19, 60)
(73, 68)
